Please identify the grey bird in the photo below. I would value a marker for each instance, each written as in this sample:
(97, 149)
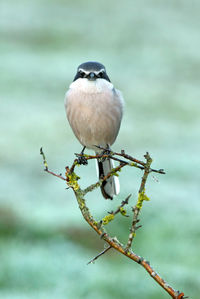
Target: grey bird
(94, 110)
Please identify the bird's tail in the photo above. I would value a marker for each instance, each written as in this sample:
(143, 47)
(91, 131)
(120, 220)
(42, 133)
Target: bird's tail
(111, 186)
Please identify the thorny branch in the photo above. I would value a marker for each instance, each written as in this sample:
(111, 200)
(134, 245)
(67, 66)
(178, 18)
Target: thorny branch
(99, 226)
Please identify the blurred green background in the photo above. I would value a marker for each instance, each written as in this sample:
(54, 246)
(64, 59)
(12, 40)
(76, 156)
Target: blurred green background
(151, 51)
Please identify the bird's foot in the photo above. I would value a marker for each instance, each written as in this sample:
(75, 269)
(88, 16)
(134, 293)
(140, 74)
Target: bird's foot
(104, 150)
(81, 159)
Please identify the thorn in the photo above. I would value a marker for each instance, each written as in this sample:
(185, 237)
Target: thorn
(141, 259)
(137, 227)
(102, 235)
(136, 221)
(125, 202)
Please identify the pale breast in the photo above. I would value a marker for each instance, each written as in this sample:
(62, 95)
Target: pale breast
(94, 112)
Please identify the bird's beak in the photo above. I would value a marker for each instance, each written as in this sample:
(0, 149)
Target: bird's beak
(91, 76)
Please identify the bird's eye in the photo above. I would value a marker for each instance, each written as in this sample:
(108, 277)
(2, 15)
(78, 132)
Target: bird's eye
(82, 74)
(100, 75)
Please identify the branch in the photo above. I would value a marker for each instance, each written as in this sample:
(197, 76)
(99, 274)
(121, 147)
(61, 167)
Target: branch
(72, 182)
(109, 154)
(141, 197)
(100, 182)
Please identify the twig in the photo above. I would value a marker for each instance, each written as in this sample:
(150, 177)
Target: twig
(44, 159)
(99, 183)
(47, 168)
(120, 209)
(100, 254)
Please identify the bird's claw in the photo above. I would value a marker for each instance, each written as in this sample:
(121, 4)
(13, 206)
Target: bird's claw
(82, 160)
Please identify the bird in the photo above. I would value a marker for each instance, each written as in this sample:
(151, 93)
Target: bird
(94, 110)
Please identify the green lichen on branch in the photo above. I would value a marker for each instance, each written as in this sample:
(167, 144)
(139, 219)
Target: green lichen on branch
(81, 202)
(141, 197)
(114, 172)
(72, 180)
(123, 211)
(92, 187)
(107, 219)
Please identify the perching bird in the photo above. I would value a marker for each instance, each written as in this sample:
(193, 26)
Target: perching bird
(94, 110)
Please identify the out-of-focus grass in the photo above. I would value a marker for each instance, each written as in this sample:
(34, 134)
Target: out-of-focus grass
(151, 50)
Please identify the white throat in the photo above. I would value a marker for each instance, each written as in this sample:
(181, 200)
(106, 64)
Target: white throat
(89, 86)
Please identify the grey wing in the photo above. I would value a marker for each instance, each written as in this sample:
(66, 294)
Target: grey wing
(117, 112)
